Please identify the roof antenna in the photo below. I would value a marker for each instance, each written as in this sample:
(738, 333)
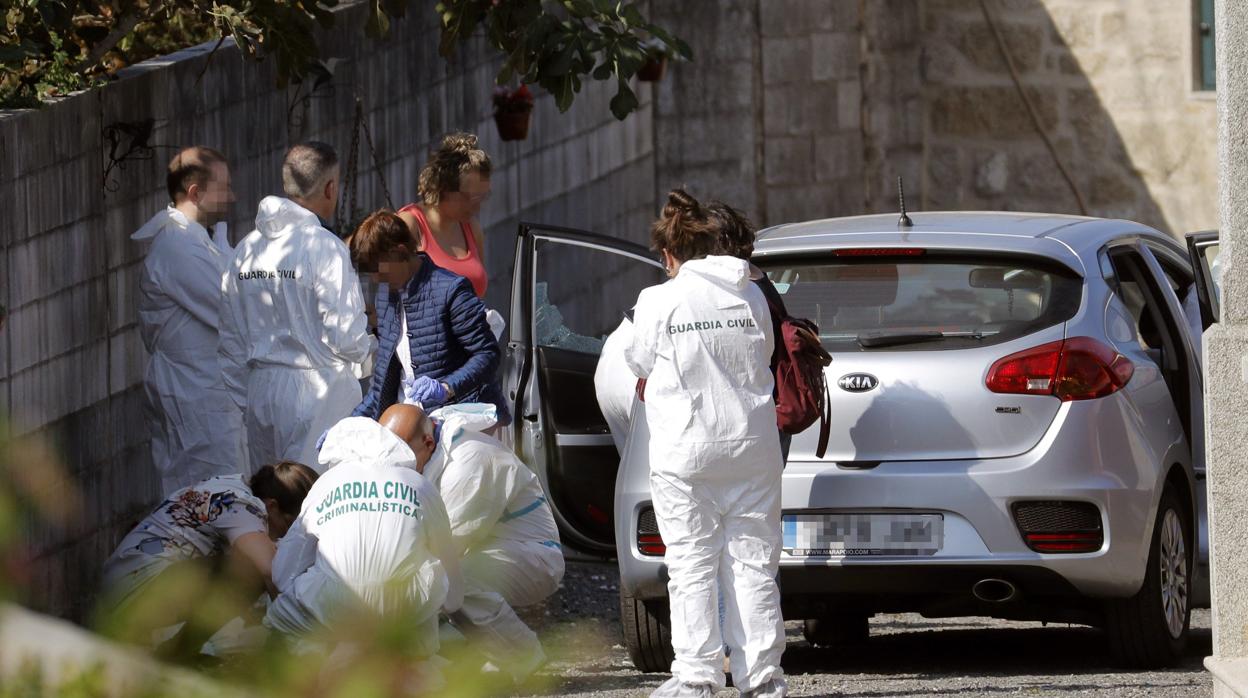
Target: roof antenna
(904, 221)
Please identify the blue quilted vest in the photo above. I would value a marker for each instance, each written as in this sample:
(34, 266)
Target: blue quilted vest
(449, 339)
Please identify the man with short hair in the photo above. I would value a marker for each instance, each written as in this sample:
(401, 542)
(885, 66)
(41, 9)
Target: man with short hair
(196, 429)
(373, 537)
(292, 323)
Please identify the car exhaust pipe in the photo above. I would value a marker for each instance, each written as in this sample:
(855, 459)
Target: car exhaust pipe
(994, 590)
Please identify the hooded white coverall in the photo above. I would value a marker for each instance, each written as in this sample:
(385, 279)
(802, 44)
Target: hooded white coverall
(372, 537)
(196, 429)
(503, 530)
(292, 332)
(614, 383)
(704, 341)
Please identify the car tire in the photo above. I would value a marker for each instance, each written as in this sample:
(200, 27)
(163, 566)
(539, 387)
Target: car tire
(647, 633)
(1142, 629)
(840, 630)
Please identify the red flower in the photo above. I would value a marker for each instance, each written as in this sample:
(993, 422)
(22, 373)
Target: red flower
(508, 100)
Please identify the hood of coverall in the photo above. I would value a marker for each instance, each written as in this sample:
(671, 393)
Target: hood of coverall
(160, 221)
(173, 217)
(277, 216)
(721, 270)
(457, 421)
(363, 442)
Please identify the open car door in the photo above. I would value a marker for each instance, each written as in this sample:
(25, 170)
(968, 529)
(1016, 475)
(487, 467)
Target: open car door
(569, 291)
(1203, 249)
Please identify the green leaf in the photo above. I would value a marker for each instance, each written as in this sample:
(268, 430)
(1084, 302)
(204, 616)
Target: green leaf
(563, 62)
(579, 8)
(632, 16)
(564, 94)
(683, 49)
(377, 25)
(624, 102)
(629, 59)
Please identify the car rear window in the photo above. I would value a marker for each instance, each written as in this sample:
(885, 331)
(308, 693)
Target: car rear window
(925, 300)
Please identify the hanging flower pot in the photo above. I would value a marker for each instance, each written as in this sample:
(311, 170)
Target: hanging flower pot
(512, 111)
(513, 126)
(653, 69)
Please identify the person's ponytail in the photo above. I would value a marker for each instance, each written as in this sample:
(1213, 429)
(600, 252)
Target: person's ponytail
(683, 228)
(285, 482)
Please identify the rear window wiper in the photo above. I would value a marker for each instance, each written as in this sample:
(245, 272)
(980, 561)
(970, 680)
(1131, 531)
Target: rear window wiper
(890, 339)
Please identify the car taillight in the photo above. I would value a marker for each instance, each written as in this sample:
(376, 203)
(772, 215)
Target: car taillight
(1064, 542)
(1079, 368)
(649, 542)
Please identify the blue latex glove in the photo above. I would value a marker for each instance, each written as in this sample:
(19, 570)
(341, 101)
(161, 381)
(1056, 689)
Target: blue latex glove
(321, 441)
(428, 392)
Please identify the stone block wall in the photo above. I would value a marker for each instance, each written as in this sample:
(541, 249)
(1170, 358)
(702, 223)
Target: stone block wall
(849, 95)
(71, 358)
(708, 111)
(768, 116)
(812, 116)
(1112, 85)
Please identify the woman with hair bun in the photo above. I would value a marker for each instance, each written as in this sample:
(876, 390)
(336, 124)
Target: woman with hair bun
(453, 185)
(704, 340)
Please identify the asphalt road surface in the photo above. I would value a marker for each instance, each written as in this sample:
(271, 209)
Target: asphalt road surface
(907, 655)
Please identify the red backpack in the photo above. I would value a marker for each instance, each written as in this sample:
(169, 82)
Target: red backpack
(801, 387)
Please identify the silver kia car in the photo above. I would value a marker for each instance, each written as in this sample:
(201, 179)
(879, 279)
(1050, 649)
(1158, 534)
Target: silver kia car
(1017, 423)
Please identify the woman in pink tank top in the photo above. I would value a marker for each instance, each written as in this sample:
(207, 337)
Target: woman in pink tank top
(454, 183)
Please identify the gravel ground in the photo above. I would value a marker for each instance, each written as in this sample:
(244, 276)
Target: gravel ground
(908, 655)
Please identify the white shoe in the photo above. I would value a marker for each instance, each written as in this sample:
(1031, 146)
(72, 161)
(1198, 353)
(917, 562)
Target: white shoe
(776, 688)
(675, 688)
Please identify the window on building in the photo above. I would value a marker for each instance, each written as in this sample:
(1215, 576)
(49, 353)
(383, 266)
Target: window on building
(1205, 73)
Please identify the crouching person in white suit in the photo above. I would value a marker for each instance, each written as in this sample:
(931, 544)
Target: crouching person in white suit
(504, 532)
(373, 537)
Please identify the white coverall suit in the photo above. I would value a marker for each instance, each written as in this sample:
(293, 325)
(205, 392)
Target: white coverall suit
(703, 340)
(196, 429)
(292, 333)
(372, 537)
(502, 528)
(615, 385)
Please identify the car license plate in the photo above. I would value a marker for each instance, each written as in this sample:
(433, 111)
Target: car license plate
(851, 535)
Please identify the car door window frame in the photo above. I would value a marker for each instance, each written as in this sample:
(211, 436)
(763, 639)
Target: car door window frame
(1210, 302)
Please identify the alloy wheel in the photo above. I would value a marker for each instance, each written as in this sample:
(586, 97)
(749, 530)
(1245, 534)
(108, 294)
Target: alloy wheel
(1174, 577)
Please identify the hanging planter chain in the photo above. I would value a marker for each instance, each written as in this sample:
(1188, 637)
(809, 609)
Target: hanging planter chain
(350, 192)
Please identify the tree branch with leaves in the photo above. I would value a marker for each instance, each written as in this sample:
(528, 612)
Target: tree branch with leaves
(558, 45)
(49, 47)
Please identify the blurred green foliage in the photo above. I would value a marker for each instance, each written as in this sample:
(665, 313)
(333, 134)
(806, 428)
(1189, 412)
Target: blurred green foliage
(364, 655)
(558, 45)
(51, 47)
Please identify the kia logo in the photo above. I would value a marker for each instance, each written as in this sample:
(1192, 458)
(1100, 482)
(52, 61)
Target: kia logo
(858, 382)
